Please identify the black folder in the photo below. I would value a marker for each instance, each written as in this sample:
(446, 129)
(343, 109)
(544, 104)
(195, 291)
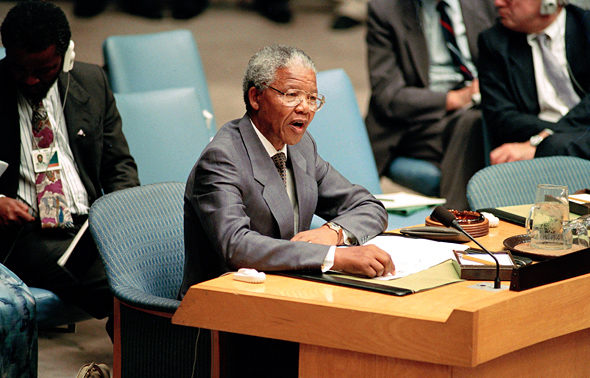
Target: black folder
(336, 279)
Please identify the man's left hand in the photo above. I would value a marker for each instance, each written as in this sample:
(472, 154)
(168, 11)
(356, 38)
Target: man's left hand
(322, 235)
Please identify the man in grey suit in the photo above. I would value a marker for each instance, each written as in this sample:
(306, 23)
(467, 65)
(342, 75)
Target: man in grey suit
(241, 211)
(528, 114)
(421, 104)
(86, 136)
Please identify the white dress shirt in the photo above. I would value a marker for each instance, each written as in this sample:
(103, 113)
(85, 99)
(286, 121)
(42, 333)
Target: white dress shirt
(552, 107)
(74, 190)
(443, 75)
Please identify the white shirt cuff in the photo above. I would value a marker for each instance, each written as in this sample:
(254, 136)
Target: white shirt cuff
(329, 260)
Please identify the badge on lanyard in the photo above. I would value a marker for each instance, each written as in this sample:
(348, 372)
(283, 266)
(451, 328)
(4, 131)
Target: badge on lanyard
(45, 159)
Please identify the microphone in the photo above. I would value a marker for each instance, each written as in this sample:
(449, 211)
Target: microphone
(448, 219)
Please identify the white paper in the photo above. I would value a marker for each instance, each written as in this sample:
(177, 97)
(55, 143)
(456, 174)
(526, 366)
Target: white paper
(412, 255)
(401, 199)
(64, 258)
(3, 166)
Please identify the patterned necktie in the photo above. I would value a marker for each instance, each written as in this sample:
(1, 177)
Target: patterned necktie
(280, 161)
(556, 75)
(451, 42)
(53, 207)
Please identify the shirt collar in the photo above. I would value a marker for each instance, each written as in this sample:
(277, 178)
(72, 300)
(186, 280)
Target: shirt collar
(555, 30)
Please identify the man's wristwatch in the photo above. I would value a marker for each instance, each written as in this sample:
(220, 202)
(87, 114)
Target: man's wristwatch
(537, 139)
(336, 228)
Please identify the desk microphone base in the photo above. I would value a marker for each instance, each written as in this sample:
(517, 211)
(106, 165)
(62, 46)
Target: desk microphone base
(488, 286)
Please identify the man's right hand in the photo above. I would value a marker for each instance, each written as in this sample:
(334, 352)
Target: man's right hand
(459, 98)
(367, 260)
(13, 212)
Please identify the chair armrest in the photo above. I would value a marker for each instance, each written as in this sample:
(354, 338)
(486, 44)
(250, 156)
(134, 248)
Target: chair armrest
(142, 300)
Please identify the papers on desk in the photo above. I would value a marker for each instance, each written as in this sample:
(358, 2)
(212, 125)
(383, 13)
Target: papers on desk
(412, 255)
(401, 200)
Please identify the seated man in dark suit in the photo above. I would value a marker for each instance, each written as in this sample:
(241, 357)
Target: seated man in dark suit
(242, 211)
(422, 57)
(68, 116)
(535, 81)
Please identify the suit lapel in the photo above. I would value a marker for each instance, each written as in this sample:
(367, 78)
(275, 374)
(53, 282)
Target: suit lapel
(522, 73)
(305, 186)
(416, 42)
(473, 20)
(80, 124)
(264, 172)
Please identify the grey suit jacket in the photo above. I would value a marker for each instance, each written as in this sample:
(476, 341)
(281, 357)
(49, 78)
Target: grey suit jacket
(509, 92)
(399, 66)
(238, 213)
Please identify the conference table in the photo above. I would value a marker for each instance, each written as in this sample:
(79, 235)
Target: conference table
(457, 330)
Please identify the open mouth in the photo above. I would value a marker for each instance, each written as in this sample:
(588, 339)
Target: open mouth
(298, 124)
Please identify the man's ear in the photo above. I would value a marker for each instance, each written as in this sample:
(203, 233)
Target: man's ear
(253, 97)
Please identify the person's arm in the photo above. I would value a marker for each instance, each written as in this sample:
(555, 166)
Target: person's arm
(392, 96)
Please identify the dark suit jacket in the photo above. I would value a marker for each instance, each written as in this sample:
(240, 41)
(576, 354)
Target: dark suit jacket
(398, 68)
(101, 152)
(509, 93)
(238, 213)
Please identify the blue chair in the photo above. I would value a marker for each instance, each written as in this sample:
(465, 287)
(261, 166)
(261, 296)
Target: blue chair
(511, 184)
(342, 140)
(18, 331)
(165, 130)
(2, 52)
(140, 239)
(147, 62)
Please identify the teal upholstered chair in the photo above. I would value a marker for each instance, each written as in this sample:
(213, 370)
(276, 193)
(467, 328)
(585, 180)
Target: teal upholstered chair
(147, 62)
(140, 239)
(342, 140)
(515, 183)
(166, 132)
(18, 331)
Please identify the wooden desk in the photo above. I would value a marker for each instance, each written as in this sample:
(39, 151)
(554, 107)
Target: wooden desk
(451, 331)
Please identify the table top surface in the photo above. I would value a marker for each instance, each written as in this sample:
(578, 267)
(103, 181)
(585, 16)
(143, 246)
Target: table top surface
(465, 326)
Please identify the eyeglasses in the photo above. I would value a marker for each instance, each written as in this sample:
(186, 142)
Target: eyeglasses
(294, 97)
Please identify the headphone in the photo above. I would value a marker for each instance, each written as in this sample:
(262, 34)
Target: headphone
(69, 57)
(549, 7)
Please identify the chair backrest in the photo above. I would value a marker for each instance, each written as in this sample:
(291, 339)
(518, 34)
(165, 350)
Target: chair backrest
(515, 183)
(340, 132)
(146, 62)
(140, 239)
(2, 52)
(165, 131)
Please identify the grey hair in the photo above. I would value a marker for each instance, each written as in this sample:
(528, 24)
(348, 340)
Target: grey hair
(263, 66)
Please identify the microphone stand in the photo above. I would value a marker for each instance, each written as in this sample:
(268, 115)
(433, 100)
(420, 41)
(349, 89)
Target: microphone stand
(448, 219)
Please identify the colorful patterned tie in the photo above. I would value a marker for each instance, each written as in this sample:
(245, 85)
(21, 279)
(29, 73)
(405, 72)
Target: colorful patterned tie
(451, 42)
(280, 161)
(53, 207)
(556, 75)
